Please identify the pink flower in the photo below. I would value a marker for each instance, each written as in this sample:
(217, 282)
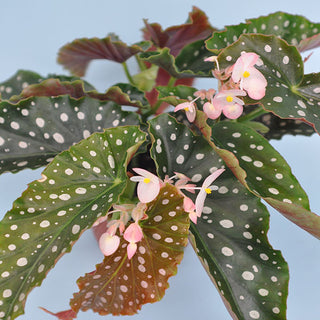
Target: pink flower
(251, 80)
(189, 207)
(108, 243)
(225, 101)
(133, 234)
(148, 185)
(189, 108)
(206, 189)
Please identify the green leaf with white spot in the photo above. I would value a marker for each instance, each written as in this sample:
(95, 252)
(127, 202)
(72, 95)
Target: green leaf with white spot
(77, 187)
(289, 94)
(20, 80)
(265, 172)
(294, 29)
(175, 95)
(231, 236)
(120, 286)
(192, 58)
(33, 131)
(176, 66)
(127, 95)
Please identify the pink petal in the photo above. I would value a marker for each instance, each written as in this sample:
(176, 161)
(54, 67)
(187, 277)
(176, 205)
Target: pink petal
(146, 174)
(232, 111)
(245, 61)
(213, 176)
(212, 110)
(249, 59)
(131, 249)
(188, 204)
(193, 217)
(133, 233)
(200, 202)
(255, 84)
(233, 93)
(181, 106)
(191, 113)
(200, 93)
(237, 71)
(148, 191)
(108, 244)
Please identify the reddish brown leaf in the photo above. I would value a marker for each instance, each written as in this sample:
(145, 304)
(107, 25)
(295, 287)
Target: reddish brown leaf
(75, 56)
(175, 38)
(120, 286)
(75, 89)
(53, 88)
(63, 315)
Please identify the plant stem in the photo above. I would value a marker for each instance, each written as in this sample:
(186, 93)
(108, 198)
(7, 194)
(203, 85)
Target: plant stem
(252, 115)
(126, 71)
(171, 82)
(140, 63)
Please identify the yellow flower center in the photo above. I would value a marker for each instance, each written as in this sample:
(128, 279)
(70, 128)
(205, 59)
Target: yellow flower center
(229, 98)
(207, 190)
(186, 109)
(146, 180)
(246, 74)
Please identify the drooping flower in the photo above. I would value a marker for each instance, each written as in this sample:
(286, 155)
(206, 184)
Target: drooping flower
(108, 243)
(148, 185)
(206, 189)
(213, 59)
(249, 78)
(189, 108)
(133, 234)
(226, 102)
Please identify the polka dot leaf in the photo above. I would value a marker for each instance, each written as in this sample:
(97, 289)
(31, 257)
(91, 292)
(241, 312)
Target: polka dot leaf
(36, 129)
(289, 94)
(20, 80)
(295, 29)
(77, 55)
(127, 95)
(192, 58)
(179, 67)
(231, 235)
(120, 286)
(260, 167)
(175, 95)
(76, 188)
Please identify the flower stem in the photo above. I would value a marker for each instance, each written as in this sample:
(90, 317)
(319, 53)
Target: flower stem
(253, 114)
(126, 71)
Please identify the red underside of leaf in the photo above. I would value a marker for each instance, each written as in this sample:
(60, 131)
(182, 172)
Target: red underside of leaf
(76, 55)
(176, 37)
(63, 315)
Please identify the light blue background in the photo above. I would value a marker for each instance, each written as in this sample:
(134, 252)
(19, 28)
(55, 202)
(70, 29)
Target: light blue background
(31, 34)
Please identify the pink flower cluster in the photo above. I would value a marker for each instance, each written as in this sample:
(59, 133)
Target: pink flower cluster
(243, 78)
(147, 190)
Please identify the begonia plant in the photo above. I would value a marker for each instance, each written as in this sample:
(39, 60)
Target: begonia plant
(155, 163)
